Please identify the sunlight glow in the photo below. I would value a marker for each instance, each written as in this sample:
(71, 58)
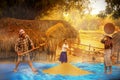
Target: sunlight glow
(97, 6)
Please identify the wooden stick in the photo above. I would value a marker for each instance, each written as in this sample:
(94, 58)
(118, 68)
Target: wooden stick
(31, 49)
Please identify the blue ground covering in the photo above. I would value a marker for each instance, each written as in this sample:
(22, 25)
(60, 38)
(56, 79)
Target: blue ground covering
(25, 73)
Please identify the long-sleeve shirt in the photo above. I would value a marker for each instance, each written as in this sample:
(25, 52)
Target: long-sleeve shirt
(23, 44)
(107, 43)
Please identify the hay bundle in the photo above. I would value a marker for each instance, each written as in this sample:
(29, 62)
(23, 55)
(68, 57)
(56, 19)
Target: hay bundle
(116, 42)
(56, 31)
(116, 38)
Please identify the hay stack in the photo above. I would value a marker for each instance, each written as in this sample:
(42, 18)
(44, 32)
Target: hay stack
(56, 31)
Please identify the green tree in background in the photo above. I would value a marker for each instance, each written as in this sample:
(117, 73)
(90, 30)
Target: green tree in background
(89, 23)
(113, 8)
(102, 14)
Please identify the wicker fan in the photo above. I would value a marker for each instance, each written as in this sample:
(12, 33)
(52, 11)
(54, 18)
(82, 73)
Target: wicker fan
(109, 28)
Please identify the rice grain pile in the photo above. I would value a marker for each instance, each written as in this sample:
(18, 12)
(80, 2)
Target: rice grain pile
(66, 69)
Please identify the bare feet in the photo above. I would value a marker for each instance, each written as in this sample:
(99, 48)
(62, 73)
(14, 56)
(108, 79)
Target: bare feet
(105, 71)
(110, 72)
(34, 70)
(15, 70)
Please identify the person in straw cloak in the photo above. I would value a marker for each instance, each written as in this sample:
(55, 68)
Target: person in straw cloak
(22, 45)
(116, 46)
(107, 41)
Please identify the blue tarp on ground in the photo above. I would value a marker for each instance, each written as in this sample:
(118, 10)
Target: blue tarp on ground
(25, 73)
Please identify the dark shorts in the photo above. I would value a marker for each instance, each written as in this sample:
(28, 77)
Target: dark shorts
(24, 58)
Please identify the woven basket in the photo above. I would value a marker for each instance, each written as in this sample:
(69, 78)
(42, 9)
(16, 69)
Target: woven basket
(109, 28)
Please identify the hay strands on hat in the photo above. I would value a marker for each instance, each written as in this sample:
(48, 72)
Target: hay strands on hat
(27, 52)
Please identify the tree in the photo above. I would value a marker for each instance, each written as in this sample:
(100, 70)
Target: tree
(89, 23)
(113, 8)
(29, 9)
(102, 14)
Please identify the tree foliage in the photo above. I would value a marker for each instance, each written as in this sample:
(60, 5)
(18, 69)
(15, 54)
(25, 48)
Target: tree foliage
(29, 9)
(113, 8)
(102, 14)
(89, 23)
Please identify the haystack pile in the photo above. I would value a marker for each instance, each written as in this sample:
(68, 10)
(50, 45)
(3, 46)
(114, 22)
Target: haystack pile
(38, 30)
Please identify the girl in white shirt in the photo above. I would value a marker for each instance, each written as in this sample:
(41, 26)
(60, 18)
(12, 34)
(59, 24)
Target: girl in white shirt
(63, 55)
